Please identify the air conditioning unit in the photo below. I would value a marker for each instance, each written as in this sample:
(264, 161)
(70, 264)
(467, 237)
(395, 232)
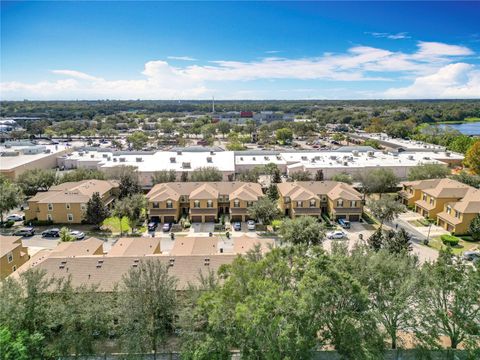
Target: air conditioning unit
(138, 159)
(122, 159)
(370, 153)
(172, 160)
(410, 157)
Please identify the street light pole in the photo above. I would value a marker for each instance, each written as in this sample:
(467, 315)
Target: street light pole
(428, 235)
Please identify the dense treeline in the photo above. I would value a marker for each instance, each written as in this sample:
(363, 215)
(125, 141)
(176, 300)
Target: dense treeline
(283, 305)
(340, 111)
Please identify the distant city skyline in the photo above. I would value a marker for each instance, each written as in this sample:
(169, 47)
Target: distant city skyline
(239, 50)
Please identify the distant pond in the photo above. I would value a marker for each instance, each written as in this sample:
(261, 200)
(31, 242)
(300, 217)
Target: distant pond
(468, 128)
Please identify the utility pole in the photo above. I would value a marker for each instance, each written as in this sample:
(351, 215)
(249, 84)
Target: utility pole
(213, 104)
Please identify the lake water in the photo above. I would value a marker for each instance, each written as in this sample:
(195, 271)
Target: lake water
(469, 128)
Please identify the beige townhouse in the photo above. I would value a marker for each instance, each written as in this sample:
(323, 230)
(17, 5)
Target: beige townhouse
(12, 254)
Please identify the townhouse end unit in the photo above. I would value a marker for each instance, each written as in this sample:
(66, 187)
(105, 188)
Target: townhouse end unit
(202, 202)
(453, 205)
(67, 202)
(314, 198)
(12, 255)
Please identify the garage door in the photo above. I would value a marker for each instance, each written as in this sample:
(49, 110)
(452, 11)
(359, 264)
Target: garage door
(196, 219)
(168, 219)
(236, 218)
(155, 219)
(341, 217)
(209, 218)
(354, 217)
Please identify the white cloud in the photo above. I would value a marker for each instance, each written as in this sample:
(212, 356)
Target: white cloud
(272, 51)
(397, 36)
(452, 81)
(182, 58)
(162, 80)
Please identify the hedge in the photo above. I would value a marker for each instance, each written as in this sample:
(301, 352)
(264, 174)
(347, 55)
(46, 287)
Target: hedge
(450, 240)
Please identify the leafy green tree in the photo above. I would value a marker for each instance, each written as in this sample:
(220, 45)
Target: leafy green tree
(343, 177)
(372, 143)
(284, 135)
(184, 177)
(469, 179)
(132, 207)
(386, 209)
(65, 235)
(147, 306)
(164, 176)
(472, 158)
(319, 175)
(299, 176)
(272, 192)
(474, 228)
(377, 181)
(448, 301)
(10, 196)
(16, 347)
(138, 140)
(35, 180)
(127, 176)
(249, 175)
(397, 242)
(96, 210)
(461, 144)
(302, 230)
(276, 178)
(224, 127)
(80, 174)
(428, 171)
(375, 241)
(264, 210)
(208, 173)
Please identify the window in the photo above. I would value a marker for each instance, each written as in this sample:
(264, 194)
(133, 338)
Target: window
(50, 207)
(432, 200)
(299, 204)
(353, 203)
(156, 205)
(449, 209)
(209, 203)
(457, 214)
(70, 217)
(340, 203)
(49, 217)
(313, 203)
(67, 206)
(236, 203)
(424, 197)
(324, 198)
(14, 268)
(249, 203)
(286, 200)
(10, 257)
(196, 204)
(169, 204)
(83, 207)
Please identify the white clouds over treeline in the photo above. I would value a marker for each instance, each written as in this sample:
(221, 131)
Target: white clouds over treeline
(434, 70)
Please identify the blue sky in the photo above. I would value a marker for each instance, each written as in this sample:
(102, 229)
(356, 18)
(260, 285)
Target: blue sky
(239, 50)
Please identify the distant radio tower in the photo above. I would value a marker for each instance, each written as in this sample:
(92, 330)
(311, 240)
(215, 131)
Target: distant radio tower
(213, 104)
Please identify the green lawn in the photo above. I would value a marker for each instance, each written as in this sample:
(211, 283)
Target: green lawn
(112, 224)
(462, 246)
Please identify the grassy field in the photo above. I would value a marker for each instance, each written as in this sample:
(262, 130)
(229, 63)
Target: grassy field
(466, 120)
(113, 224)
(462, 246)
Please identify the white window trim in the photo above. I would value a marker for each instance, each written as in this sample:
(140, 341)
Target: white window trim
(70, 216)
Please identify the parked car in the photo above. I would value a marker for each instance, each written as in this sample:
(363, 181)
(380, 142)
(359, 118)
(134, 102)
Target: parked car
(336, 235)
(26, 231)
(78, 235)
(51, 233)
(152, 226)
(251, 225)
(237, 226)
(14, 217)
(166, 227)
(344, 223)
(471, 255)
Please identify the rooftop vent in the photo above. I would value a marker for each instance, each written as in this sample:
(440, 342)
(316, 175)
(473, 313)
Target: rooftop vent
(209, 159)
(447, 153)
(212, 152)
(370, 153)
(206, 262)
(266, 158)
(179, 152)
(172, 160)
(122, 159)
(92, 156)
(304, 158)
(138, 159)
(105, 155)
(333, 157)
(410, 157)
(114, 159)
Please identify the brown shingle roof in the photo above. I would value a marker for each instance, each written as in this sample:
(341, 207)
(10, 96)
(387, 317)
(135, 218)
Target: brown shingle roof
(195, 246)
(85, 247)
(333, 189)
(243, 244)
(9, 243)
(138, 246)
(204, 191)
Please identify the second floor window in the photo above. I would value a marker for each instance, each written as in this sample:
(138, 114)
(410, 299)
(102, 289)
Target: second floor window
(50, 207)
(449, 209)
(169, 204)
(209, 203)
(236, 203)
(196, 204)
(249, 203)
(340, 203)
(299, 204)
(432, 201)
(10, 257)
(424, 197)
(286, 199)
(353, 204)
(155, 205)
(457, 214)
(312, 203)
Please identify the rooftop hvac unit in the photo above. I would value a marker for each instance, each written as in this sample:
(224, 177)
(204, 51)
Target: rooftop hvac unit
(410, 157)
(92, 156)
(266, 158)
(138, 159)
(209, 159)
(179, 153)
(212, 152)
(186, 165)
(370, 153)
(114, 159)
(253, 158)
(426, 158)
(109, 158)
(447, 153)
(241, 158)
(333, 157)
(317, 158)
(104, 155)
(172, 160)
(345, 163)
(304, 158)
(80, 153)
(355, 152)
(122, 159)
